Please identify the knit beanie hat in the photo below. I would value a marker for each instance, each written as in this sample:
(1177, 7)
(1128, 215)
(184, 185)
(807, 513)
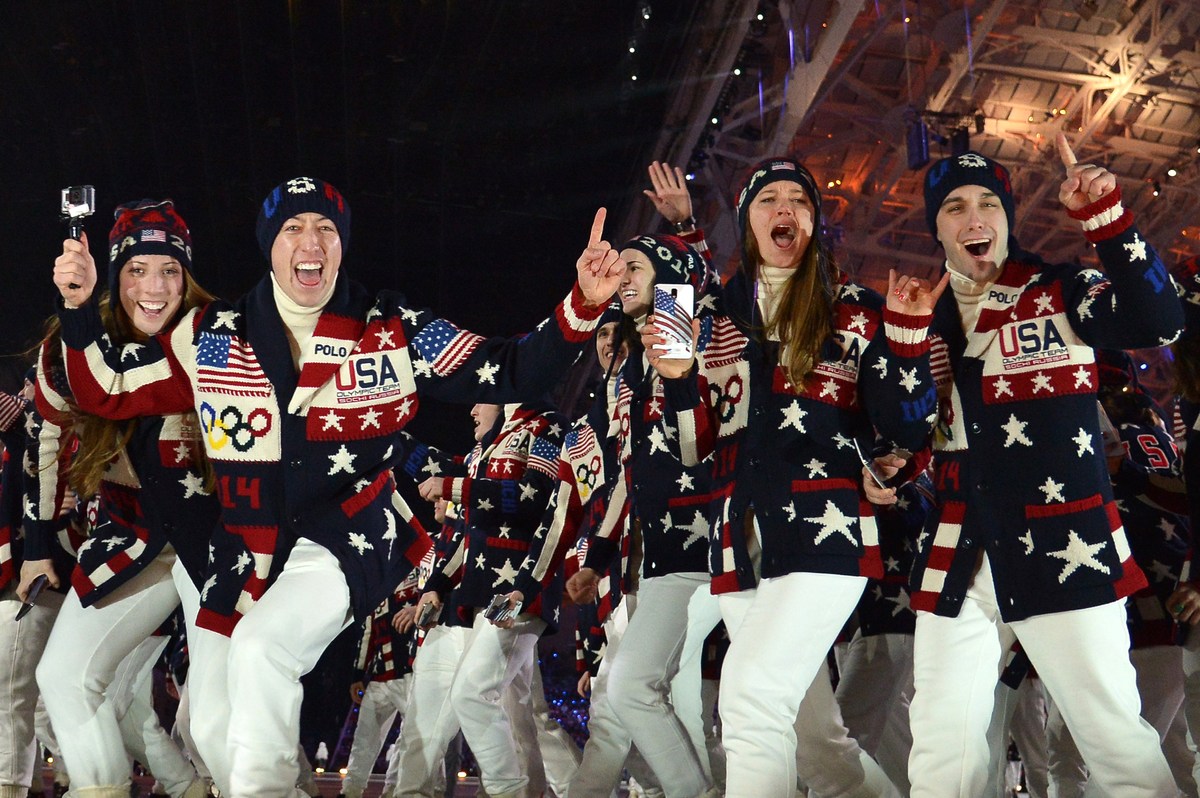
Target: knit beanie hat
(968, 169)
(301, 195)
(1116, 370)
(675, 261)
(146, 227)
(774, 170)
(1187, 280)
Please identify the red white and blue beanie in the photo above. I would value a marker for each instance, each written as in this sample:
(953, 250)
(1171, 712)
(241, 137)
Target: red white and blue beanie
(675, 261)
(146, 227)
(968, 169)
(774, 170)
(301, 195)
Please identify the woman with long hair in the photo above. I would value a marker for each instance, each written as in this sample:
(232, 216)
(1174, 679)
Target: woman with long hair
(801, 365)
(157, 500)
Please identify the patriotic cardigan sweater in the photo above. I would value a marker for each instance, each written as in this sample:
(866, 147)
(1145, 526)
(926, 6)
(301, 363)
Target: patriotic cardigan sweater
(151, 495)
(507, 484)
(790, 453)
(886, 605)
(1019, 393)
(310, 454)
(1149, 494)
(385, 654)
(19, 425)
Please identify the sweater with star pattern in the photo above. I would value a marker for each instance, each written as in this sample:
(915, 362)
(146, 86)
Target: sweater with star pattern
(310, 454)
(1019, 463)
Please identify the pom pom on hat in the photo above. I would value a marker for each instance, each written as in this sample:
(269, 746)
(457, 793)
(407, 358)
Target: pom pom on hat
(301, 195)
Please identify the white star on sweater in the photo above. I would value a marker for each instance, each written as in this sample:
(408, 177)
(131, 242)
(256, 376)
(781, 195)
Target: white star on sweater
(370, 418)
(686, 482)
(505, 573)
(908, 379)
(858, 322)
(1161, 570)
(421, 368)
(1044, 303)
(528, 492)
(481, 562)
(833, 520)
(1041, 382)
(1052, 489)
(132, 350)
(403, 409)
(342, 461)
(892, 564)
(1027, 539)
(487, 373)
(1137, 249)
(1016, 431)
(360, 542)
(332, 419)
(881, 365)
(1084, 441)
(1078, 553)
(504, 530)
(209, 585)
(658, 441)
(815, 467)
(181, 452)
(1083, 377)
(1085, 307)
(902, 602)
(484, 504)
(1003, 387)
(792, 417)
(385, 338)
(851, 290)
(829, 388)
(193, 485)
(697, 529)
(410, 315)
(243, 560)
(842, 441)
(112, 543)
(226, 318)
(1168, 529)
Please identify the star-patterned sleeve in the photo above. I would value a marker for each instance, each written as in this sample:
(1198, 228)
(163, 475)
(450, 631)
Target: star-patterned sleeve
(137, 379)
(450, 548)
(1134, 302)
(419, 461)
(456, 365)
(695, 420)
(45, 480)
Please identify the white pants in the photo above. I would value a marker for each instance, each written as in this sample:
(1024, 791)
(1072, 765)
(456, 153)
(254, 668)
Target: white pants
(780, 633)
(246, 691)
(609, 747)
(493, 659)
(873, 693)
(550, 756)
(44, 733)
(654, 684)
(1082, 657)
(430, 723)
(21, 646)
(1028, 731)
(88, 650)
(381, 703)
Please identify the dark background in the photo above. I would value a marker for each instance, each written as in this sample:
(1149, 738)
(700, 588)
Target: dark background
(473, 140)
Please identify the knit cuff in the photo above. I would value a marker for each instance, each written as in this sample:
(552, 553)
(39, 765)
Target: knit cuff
(452, 489)
(1104, 218)
(908, 336)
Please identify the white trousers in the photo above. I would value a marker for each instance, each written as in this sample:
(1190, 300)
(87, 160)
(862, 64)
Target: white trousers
(246, 691)
(1082, 657)
(87, 660)
(430, 723)
(21, 646)
(780, 633)
(493, 659)
(873, 692)
(550, 756)
(654, 684)
(381, 703)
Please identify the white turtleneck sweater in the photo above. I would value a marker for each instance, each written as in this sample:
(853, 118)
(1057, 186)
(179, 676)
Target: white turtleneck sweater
(768, 290)
(298, 321)
(970, 296)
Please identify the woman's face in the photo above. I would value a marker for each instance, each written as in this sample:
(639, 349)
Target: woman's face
(637, 286)
(484, 417)
(151, 289)
(781, 221)
(607, 346)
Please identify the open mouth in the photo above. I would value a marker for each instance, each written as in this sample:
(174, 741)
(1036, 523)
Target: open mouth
(977, 247)
(152, 308)
(784, 235)
(308, 274)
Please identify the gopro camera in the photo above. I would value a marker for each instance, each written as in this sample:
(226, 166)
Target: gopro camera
(498, 610)
(78, 202)
(429, 614)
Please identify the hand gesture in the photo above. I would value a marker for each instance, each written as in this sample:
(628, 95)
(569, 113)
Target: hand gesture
(600, 267)
(886, 466)
(75, 272)
(913, 296)
(1085, 183)
(583, 586)
(32, 569)
(670, 195)
(669, 368)
(431, 490)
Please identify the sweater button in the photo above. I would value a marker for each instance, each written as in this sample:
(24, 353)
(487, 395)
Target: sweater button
(754, 461)
(967, 543)
(296, 464)
(975, 427)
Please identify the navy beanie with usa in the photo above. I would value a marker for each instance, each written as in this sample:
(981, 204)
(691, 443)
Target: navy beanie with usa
(968, 169)
(146, 227)
(675, 261)
(296, 196)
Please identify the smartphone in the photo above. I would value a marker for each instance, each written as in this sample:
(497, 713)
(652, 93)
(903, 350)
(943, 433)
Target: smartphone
(869, 465)
(499, 610)
(674, 307)
(35, 590)
(429, 614)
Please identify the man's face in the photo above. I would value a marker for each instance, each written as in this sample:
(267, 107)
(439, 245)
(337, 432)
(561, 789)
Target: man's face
(484, 417)
(305, 257)
(608, 347)
(973, 229)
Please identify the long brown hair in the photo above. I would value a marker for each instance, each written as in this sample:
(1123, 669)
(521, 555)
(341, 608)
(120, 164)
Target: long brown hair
(803, 319)
(102, 439)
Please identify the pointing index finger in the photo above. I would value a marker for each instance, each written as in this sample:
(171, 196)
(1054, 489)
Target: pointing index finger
(597, 228)
(1064, 150)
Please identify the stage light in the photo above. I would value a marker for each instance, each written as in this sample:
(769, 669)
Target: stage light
(1157, 188)
(1172, 172)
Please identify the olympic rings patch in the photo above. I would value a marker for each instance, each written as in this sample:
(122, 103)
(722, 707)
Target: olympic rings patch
(231, 426)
